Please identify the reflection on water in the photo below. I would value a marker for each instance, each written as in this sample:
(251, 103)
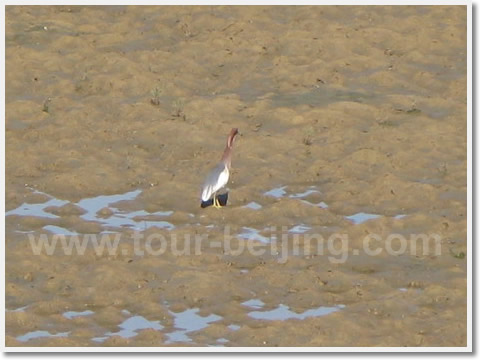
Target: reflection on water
(102, 210)
(299, 229)
(321, 204)
(59, 230)
(253, 234)
(415, 290)
(74, 314)
(277, 192)
(121, 218)
(188, 321)
(37, 210)
(39, 334)
(283, 312)
(135, 220)
(253, 205)
(254, 303)
(130, 327)
(305, 193)
(361, 217)
(281, 192)
(20, 309)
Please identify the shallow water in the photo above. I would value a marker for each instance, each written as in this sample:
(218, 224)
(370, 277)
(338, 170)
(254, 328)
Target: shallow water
(40, 334)
(253, 205)
(135, 220)
(253, 234)
(189, 321)
(73, 314)
(130, 327)
(361, 217)
(299, 229)
(37, 209)
(283, 312)
(276, 192)
(304, 194)
(254, 303)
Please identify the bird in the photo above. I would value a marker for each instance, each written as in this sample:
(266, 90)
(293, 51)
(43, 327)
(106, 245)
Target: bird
(217, 178)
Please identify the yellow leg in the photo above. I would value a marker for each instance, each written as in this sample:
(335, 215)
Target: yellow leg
(216, 203)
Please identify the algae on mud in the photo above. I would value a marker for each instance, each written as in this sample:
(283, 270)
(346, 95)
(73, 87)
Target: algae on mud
(316, 91)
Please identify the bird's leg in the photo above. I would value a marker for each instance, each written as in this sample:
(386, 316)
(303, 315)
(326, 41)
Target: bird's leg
(216, 203)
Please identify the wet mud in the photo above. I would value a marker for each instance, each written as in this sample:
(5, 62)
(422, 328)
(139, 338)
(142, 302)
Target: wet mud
(352, 121)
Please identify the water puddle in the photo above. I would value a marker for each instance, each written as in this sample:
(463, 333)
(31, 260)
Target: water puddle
(321, 204)
(277, 192)
(39, 334)
(59, 230)
(130, 327)
(299, 229)
(234, 327)
(253, 205)
(73, 314)
(304, 194)
(361, 217)
(281, 192)
(254, 303)
(253, 234)
(37, 210)
(189, 321)
(20, 309)
(120, 218)
(283, 312)
(98, 209)
(415, 290)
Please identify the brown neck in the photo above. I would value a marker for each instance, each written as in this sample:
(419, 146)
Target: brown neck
(227, 157)
(227, 153)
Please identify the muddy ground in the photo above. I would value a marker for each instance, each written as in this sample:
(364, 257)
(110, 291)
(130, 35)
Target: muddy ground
(342, 111)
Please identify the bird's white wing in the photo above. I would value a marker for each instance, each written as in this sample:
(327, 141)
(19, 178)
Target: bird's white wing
(207, 192)
(223, 178)
(216, 179)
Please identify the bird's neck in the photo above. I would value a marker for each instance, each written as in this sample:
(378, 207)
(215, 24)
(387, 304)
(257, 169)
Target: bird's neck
(227, 157)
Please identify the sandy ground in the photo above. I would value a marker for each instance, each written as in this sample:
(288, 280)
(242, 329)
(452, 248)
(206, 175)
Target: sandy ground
(364, 106)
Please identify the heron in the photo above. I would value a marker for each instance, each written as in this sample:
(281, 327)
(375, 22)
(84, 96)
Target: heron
(217, 178)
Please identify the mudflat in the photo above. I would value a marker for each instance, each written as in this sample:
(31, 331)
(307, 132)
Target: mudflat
(353, 124)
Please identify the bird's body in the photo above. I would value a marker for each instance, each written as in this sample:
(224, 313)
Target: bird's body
(216, 180)
(218, 177)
